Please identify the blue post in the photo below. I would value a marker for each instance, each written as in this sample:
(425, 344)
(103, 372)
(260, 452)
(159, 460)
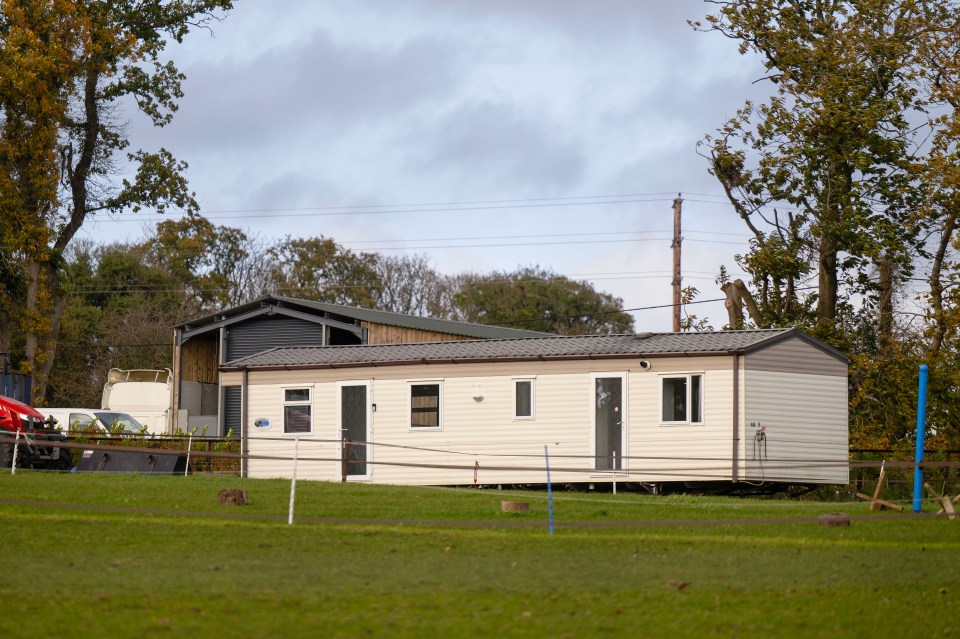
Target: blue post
(921, 434)
(546, 455)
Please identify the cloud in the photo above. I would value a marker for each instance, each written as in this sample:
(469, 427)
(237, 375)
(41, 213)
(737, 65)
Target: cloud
(272, 100)
(499, 144)
(298, 103)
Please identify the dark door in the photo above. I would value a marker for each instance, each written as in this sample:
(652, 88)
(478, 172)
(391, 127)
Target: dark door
(608, 422)
(232, 411)
(353, 426)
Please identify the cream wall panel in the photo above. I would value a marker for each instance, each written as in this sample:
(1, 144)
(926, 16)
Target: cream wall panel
(806, 427)
(683, 452)
(231, 378)
(486, 430)
(511, 451)
(796, 356)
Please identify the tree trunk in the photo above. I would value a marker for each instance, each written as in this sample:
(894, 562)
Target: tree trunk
(41, 375)
(827, 284)
(751, 305)
(37, 333)
(734, 306)
(936, 286)
(33, 316)
(44, 310)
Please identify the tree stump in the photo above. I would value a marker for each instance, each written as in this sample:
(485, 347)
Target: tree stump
(834, 520)
(235, 496)
(514, 506)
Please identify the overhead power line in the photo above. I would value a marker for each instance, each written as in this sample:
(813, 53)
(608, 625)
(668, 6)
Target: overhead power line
(343, 209)
(320, 212)
(539, 235)
(623, 310)
(349, 244)
(164, 288)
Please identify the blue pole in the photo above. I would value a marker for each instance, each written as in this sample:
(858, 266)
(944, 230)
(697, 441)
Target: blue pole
(921, 434)
(546, 455)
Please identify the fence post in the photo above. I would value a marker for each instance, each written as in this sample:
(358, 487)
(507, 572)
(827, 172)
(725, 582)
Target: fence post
(16, 449)
(614, 472)
(546, 457)
(189, 448)
(921, 434)
(344, 456)
(860, 479)
(293, 480)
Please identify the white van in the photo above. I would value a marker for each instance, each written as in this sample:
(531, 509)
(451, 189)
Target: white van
(89, 419)
(146, 394)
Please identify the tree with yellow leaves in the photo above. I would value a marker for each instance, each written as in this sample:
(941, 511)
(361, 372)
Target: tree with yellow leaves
(66, 69)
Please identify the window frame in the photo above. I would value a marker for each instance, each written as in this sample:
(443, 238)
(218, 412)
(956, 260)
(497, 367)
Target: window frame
(688, 404)
(293, 403)
(532, 380)
(424, 382)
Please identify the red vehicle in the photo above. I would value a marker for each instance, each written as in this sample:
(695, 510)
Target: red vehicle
(34, 449)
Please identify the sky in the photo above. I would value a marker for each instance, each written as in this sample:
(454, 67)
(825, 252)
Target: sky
(484, 135)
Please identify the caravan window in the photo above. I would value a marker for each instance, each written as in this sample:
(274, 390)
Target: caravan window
(523, 399)
(425, 405)
(682, 399)
(297, 411)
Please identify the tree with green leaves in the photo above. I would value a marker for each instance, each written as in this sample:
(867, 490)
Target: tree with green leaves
(848, 180)
(218, 266)
(319, 269)
(827, 174)
(538, 299)
(67, 67)
(118, 310)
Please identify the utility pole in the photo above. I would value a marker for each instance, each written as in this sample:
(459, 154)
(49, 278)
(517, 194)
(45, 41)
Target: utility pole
(677, 240)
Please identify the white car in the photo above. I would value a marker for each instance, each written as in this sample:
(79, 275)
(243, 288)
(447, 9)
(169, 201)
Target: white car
(90, 419)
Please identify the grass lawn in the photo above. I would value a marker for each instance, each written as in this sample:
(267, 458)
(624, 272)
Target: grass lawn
(101, 555)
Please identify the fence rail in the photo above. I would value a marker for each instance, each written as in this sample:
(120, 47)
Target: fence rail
(221, 455)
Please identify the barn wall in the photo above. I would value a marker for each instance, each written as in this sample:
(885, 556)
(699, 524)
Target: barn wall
(198, 359)
(383, 334)
(270, 331)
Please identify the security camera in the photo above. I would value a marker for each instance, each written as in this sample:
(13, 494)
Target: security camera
(645, 365)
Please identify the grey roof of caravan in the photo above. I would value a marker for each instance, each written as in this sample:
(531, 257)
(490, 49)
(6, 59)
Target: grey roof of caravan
(532, 348)
(452, 327)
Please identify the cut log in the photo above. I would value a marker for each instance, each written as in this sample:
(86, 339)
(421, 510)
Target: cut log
(514, 506)
(879, 504)
(948, 507)
(235, 496)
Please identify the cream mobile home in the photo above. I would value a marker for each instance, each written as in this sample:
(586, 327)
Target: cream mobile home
(763, 407)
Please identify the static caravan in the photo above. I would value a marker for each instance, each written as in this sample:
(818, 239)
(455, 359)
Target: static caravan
(763, 407)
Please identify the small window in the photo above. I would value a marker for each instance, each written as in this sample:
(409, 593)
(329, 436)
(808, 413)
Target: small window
(523, 399)
(297, 410)
(425, 405)
(682, 399)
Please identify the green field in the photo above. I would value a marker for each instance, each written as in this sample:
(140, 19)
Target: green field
(100, 555)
